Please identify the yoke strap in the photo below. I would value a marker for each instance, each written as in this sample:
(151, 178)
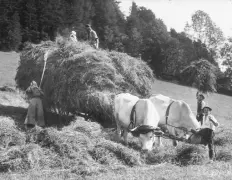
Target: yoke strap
(132, 117)
(167, 111)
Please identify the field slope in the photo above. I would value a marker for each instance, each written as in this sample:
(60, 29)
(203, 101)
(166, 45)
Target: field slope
(85, 150)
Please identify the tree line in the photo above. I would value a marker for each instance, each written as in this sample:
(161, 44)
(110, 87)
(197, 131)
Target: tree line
(141, 34)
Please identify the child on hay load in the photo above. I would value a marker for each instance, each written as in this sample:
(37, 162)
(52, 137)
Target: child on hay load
(200, 106)
(35, 113)
(73, 36)
(92, 37)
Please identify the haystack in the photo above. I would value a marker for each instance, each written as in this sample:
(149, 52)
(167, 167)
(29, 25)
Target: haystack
(79, 78)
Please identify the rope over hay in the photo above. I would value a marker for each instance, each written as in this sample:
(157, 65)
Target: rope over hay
(79, 78)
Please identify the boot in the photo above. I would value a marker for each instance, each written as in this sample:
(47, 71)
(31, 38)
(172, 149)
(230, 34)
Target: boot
(211, 154)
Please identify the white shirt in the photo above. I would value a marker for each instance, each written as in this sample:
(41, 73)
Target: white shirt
(207, 123)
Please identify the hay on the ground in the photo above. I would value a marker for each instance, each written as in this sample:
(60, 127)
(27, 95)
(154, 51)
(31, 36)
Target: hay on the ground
(91, 129)
(24, 158)
(191, 155)
(10, 135)
(80, 78)
(105, 151)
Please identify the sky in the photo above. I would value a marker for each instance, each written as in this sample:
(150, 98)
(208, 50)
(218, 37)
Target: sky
(175, 13)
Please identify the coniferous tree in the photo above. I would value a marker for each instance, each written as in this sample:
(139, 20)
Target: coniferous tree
(14, 32)
(10, 35)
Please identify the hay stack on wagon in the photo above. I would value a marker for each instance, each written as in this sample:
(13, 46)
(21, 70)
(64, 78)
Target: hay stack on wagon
(79, 78)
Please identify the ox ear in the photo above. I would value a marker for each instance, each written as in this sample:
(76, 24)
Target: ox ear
(142, 129)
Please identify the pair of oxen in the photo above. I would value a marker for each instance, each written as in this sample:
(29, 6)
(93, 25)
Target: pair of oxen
(150, 119)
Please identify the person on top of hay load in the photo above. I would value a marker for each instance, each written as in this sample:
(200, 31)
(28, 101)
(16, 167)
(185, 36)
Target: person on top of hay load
(200, 106)
(35, 113)
(92, 36)
(73, 36)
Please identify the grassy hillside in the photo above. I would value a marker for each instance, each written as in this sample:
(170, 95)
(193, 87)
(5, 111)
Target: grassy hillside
(9, 63)
(85, 150)
(220, 104)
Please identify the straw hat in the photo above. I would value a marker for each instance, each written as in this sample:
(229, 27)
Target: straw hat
(207, 107)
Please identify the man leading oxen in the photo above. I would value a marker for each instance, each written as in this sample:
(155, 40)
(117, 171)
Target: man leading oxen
(178, 121)
(137, 116)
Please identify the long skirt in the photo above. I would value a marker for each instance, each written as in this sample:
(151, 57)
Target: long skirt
(95, 44)
(35, 113)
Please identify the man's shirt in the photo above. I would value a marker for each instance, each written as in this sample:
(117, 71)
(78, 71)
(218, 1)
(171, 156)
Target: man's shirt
(200, 106)
(207, 123)
(92, 36)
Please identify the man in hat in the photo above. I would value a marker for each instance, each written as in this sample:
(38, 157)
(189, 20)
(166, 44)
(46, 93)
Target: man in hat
(92, 37)
(200, 106)
(35, 113)
(73, 36)
(209, 124)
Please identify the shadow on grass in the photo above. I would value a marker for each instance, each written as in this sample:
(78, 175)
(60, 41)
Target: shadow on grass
(18, 114)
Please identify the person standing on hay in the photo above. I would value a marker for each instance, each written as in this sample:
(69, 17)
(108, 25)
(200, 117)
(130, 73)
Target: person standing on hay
(92, 37)
(209, 123)
(200, 106)
(35, 113)
(73, 36)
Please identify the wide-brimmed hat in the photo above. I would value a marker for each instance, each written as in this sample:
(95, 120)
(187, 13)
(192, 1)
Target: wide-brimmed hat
(207, 107)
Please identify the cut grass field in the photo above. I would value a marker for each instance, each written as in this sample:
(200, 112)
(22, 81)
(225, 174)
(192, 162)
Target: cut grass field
(86, 150)
(8, 65)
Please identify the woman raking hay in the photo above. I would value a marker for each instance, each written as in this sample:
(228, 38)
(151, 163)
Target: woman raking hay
(35, 113)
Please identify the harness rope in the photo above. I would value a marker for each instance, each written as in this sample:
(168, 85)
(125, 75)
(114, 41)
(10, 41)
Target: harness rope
(167, 111)
(167, 135)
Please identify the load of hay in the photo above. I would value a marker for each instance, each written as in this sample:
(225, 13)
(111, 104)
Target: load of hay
(201, 75)
(79, 78)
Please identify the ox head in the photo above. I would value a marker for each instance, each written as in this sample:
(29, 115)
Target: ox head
(146, 135)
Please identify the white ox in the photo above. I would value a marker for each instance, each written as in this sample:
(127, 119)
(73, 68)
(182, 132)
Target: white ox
(145, 118)
(175, 114)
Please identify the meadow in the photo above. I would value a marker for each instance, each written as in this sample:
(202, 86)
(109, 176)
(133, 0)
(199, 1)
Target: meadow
(85, 150)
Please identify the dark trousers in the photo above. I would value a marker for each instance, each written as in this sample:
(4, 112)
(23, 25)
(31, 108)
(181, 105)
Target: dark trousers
(207, 139)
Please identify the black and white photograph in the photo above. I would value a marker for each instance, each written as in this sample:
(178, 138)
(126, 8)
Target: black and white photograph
(115, 89)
